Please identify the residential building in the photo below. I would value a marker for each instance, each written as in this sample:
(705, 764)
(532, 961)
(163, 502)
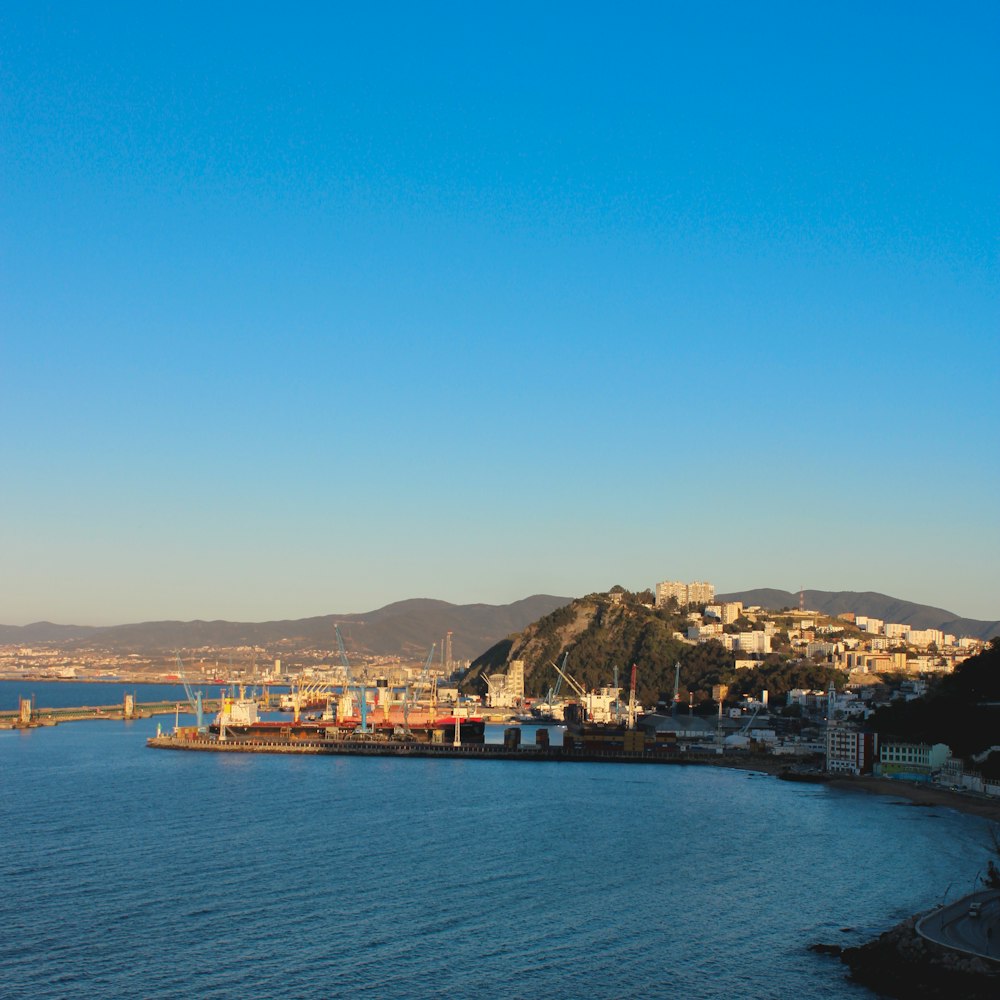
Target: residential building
(697, 592)
(923, 637)
(872, 625)
(914, 761)
(702, 633)
(850, 751)
(731, 610)
(752, 642)
(515, 678)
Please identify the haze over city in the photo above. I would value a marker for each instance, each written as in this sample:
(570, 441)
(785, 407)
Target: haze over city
(308, 315)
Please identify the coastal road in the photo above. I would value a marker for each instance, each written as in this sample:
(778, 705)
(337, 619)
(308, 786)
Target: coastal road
(955, 927)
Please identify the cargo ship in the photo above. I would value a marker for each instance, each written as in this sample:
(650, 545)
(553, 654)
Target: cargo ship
(239, 719)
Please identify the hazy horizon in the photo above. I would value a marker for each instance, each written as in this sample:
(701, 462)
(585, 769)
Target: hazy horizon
(483, 302)
(958, 613)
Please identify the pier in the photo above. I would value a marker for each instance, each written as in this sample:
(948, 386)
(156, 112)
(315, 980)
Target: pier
(191, 740)
(28, 717)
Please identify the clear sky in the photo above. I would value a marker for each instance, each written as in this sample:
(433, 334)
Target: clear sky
(310, 308)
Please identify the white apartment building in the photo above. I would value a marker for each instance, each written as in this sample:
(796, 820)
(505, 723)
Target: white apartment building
(697, 592)
(515, 678)
(506, 690)
(702, 633)
(924, 637)
(731, 610)
(872, 625)
(748, 642)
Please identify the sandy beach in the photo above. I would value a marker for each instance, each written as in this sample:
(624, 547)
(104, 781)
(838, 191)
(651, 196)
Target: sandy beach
(924, 795)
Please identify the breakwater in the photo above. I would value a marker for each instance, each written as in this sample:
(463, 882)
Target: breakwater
(82, 713)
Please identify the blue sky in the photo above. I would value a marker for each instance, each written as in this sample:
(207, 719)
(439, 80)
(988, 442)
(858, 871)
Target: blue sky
(305, 311)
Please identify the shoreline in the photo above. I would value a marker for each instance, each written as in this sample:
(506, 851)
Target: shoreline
(914, 793)
(922, 795)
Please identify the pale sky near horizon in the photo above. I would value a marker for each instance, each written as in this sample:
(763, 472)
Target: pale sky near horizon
(307, 310)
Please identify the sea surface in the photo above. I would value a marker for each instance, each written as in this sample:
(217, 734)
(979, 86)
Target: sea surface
(131, 872)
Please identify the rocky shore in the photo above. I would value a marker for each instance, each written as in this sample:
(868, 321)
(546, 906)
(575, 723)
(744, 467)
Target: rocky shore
(902, 964)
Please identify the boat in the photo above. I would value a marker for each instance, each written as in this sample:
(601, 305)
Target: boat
(238, 718)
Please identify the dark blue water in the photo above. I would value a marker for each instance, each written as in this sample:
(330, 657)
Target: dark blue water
(142, 873)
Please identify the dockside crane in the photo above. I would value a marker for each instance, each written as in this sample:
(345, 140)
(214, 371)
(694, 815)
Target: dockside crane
(193, 697)
(352, 685)
(490, 683)
(631, 698)
(425, 673)
(554, 691)
(410, 697)
(578, 688)
(343, 656)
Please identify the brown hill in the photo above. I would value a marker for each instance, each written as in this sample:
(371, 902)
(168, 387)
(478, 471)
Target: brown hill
(405, 628)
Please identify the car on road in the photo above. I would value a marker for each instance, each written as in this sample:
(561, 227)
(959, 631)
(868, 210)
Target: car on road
(975, 908)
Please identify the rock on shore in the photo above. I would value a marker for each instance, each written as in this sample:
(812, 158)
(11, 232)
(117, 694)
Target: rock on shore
(902, 964)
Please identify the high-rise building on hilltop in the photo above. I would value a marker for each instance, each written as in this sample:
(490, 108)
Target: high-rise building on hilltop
(697, 592)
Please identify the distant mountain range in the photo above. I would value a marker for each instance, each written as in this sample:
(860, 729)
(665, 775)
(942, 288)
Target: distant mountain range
(407, 628)
(873, 605)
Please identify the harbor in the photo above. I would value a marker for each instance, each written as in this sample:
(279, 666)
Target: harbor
(189, 739)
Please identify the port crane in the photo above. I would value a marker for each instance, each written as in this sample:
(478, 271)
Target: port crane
(554, 690)
(193, 697)
(746, 729)
(631, 697)
(410, 696)
(578, 688)
(425, 673)
(359, 689)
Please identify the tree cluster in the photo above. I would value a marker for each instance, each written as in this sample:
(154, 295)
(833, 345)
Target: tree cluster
(956, 711)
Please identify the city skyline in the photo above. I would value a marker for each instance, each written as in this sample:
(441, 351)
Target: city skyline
(309, 317)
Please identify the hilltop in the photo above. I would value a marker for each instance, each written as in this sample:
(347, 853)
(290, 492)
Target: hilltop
(407, 628)
(619, 628)
(404, 628)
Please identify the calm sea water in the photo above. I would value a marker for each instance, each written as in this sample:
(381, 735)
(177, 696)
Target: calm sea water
(129, 872)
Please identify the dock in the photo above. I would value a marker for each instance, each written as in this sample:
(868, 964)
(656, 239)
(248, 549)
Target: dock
(201, 743)
(37, 717)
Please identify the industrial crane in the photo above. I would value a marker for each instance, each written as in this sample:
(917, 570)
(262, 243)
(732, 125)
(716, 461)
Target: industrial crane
(351, 685)
(578, 689)
(410, 698)
(631, 699)
(425, 673)
(193, 697)
(343, 656)
(554, 691)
